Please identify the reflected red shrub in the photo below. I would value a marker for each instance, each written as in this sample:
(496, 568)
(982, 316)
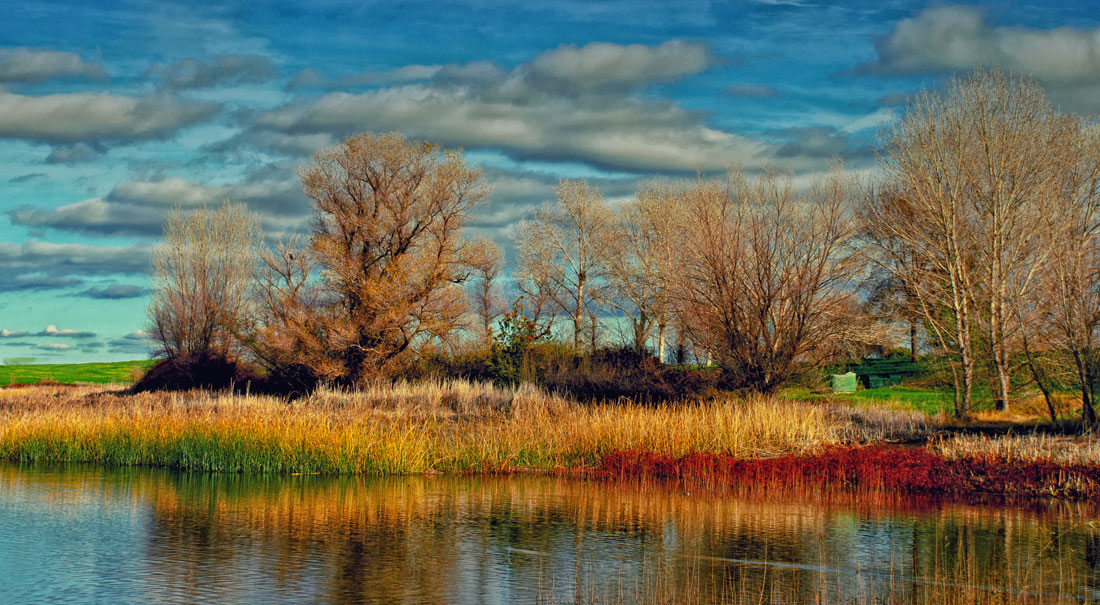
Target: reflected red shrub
(883, 467)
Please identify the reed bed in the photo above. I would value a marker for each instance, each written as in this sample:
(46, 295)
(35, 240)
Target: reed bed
(1031, 447)
(445, 427)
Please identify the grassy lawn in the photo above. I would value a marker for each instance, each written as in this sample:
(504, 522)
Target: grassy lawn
(73, 373)
(902, 397)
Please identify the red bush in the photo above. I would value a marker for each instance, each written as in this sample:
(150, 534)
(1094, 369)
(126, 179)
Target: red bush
(883, 467)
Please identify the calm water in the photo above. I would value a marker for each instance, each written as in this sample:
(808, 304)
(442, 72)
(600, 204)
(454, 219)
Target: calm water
(93, 534)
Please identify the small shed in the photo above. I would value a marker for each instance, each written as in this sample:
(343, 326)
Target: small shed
(845, 383)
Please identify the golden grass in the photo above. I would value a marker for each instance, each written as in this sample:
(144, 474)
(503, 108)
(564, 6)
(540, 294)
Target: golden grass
(449, 427)
(1032, 447)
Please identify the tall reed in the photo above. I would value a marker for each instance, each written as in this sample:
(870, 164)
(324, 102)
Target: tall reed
(449, 427)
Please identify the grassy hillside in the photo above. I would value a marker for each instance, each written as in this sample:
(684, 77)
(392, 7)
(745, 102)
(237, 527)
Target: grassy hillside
(74, 373)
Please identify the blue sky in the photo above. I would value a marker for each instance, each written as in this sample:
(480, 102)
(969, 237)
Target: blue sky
(113, 113)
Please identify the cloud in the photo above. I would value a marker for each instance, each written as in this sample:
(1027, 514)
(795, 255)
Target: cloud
(54, 346)
(954, 38)
(96, 117)
(29, 65)
(52, 331)
(37, 265)
(6, 333)
(223, 70)
(567, 104)
(23, 178)
(606, 66)
(139, 207)
(310, 78)
(36, 281)
(114, 291)
(137, 342)
(76, 153)
(822, 142)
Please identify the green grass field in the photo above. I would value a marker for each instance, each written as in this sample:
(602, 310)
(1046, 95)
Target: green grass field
(930, 402)
(74, 373)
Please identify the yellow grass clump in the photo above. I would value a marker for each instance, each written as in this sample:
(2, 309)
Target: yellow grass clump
(1030, 447)
(448, 427)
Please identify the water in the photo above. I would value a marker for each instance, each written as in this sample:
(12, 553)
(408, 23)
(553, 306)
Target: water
(91, 534)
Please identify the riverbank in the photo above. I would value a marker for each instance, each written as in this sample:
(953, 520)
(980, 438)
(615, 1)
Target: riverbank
(459, 427)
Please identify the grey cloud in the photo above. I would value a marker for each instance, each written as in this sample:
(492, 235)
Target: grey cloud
(134, 343)
(35, 257)
(952, 38)
(138, 207)
(54, 346)
(602, 65)
(53, 332)
(96, 117)
(223, 70)
(569, 104)
(23, 178)
(114, 291)
(10, 282)
(74, 154)
(823, 142)
(31, 65)
(310, 78)
(6, 333)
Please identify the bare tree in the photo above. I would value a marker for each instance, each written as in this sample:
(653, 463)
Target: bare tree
(763, 271)
(640, 263)
(564, 250)
(486, 263)
(388, 240)
(202, 276)
(289, 332)
(1073, 279)
(975, 171)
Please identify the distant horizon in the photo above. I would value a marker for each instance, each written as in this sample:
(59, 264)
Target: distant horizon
(110, 114)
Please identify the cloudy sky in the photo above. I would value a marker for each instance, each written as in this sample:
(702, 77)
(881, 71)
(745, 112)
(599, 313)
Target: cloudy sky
(111, 115)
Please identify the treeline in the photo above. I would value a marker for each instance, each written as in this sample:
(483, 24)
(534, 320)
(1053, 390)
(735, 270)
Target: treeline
(979, 238)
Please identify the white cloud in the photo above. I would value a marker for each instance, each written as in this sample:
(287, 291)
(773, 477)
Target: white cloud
(567, 104)
(137, 207)
(53, 331)
(223, 70)
(38, 64)
(951, 38)
(92, 117)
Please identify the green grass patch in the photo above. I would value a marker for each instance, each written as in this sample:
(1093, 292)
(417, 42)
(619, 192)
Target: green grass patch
(930, 402)
(74, 373)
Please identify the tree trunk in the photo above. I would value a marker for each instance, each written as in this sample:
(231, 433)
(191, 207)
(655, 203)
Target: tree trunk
(577, 315)
(1035, 375)
(661, 342)
(1088, 413)
(913, 357)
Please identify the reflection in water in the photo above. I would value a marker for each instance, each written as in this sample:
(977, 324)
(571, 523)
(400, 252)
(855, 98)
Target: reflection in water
(89, 533)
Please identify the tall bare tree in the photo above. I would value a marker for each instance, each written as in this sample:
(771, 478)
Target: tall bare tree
(388, 240)
(640, 264)
(565, 247)
(975, 170)
(202, 278)
(763, 271)
(486, 263)
(1073, 279)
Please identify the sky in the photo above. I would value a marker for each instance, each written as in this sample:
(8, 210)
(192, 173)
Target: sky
(112, 114)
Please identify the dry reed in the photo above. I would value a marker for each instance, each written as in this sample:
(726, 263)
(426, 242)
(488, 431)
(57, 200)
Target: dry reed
(449, 427)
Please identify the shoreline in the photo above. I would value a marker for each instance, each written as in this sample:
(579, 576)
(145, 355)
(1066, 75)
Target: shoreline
(460, 428)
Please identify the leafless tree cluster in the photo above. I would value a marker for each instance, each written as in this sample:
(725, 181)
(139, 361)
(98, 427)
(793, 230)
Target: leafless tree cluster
(752, 273)
(380, 276)
(986, 226)
(202, 279)
(981, 240)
